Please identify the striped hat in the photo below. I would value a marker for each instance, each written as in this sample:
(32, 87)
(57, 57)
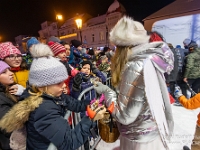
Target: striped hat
(56, 48)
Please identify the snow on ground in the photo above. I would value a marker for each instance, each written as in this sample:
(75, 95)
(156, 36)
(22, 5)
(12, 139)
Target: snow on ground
(184, 128)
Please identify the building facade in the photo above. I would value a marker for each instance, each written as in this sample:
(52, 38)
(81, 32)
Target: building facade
(94, 31)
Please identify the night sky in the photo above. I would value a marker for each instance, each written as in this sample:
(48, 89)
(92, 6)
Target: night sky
(23, 17)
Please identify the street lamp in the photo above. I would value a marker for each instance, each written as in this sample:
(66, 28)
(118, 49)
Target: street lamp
(79, 26)
(58, 19)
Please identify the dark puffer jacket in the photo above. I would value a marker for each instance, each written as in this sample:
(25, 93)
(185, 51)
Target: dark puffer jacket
(5, 105)
(46, 124)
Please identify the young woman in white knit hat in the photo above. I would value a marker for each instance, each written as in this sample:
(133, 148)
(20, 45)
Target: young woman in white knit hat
(43, 110)
(142, 107)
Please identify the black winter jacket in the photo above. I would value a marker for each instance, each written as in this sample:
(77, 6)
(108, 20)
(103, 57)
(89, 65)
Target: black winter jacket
(5, 105)
(46, 124)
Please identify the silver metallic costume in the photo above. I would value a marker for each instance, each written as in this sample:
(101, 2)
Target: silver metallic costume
(132, 109)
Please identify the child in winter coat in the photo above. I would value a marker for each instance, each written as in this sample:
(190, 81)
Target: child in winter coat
(192, 103)
(7, 99)
(83, 80)
(13, 57)
(59, 52)
(43, 110)
(104, 65)
(76, 53)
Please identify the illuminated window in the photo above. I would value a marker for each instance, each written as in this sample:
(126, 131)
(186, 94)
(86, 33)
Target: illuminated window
(101, 34)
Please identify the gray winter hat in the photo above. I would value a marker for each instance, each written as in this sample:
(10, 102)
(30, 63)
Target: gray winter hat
(45, 69)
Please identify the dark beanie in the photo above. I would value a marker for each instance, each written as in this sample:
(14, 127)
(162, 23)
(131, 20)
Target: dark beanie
(83, 63)
(76, 43)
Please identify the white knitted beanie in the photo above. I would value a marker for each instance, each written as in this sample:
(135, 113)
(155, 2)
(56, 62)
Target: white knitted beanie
(45, 69)
(128, 32)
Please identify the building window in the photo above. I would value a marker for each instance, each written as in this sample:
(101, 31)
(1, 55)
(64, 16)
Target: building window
(92, 37)
(101, 34)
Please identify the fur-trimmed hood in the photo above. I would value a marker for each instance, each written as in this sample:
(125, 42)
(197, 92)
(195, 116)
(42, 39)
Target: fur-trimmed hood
(128, 32)
(19, 114)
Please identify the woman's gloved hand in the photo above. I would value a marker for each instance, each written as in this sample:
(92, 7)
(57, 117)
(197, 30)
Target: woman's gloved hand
(101, 88)
(96, 114)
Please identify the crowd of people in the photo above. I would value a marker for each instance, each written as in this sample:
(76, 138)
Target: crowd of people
(37, 88)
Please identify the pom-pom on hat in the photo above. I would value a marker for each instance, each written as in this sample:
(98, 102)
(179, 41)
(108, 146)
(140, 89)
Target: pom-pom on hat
(76, 43)
(56, 47)
(3, 66)
(128, 32)
(45, 69)
(32, 41)
(7, 48)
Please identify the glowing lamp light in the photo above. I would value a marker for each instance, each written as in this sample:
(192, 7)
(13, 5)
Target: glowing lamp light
(79, 23)
(59, 17)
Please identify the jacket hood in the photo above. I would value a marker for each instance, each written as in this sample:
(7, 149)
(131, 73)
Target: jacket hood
(159, 53)
(19, 114)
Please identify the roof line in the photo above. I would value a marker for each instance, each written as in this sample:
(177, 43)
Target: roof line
(168, 15)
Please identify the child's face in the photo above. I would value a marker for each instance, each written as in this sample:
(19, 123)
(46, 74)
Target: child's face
(67, 47)
(14, 60)
(56, 89)
(86, 69)
(6, 77)
(62, 56)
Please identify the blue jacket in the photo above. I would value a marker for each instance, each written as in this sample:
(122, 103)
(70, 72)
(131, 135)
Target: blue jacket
(84, 85)
(77, 57)
(46, 124)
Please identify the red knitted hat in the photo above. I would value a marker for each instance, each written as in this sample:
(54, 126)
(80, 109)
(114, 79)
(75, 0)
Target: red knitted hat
(56, 48)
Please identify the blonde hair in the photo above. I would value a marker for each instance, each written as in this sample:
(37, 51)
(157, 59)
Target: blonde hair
(118, 62)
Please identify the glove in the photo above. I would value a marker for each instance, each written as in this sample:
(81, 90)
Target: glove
(101, 88)
(96, 114)
(177, 92)
(77, 82)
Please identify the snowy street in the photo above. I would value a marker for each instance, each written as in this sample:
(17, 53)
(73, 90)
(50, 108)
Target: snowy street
(185, 122)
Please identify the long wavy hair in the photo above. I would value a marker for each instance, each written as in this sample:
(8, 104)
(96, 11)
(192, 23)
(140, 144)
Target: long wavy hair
(118, 62)
(5, 89)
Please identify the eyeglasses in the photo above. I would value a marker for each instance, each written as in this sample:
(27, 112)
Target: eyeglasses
(14, 57)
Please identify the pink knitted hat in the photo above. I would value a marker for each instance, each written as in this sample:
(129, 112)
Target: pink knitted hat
(56, 47)
(3, 66)
(7, 48)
